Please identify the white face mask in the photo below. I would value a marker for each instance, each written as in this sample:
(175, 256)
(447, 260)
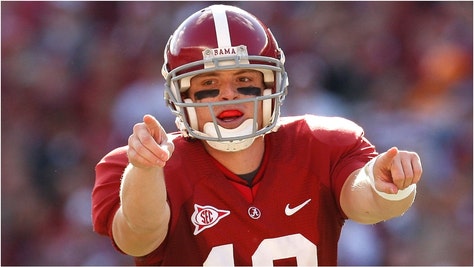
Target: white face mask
(236, 139)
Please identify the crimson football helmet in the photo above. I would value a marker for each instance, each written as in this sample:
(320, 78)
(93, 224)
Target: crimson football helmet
(222, 37)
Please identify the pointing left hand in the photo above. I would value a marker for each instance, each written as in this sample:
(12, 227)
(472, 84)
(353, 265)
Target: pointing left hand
(396, 169)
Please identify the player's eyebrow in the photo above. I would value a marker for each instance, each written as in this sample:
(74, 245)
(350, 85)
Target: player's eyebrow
(216, 73)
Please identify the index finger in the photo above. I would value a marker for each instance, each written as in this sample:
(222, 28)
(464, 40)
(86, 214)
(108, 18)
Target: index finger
(154, 128)
(159, 135)
(385, 160)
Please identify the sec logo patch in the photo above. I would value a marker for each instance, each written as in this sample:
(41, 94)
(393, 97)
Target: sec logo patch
(205, 217)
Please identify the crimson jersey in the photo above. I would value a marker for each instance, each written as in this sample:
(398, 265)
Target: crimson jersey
(289, 215)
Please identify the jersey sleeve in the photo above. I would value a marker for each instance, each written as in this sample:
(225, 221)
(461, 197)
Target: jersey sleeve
(349, 149)
(105, 194)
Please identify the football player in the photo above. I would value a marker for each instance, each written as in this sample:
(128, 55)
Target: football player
(238, 184)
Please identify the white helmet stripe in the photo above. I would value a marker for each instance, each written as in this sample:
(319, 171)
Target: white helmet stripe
(221, 25)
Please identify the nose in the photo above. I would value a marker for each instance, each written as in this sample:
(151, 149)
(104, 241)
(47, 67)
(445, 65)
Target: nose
(228, 92)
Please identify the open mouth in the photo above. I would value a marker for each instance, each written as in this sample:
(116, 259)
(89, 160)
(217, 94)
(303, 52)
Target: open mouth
(230, 115)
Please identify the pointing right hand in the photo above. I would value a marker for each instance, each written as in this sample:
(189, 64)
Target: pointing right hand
(148, 146)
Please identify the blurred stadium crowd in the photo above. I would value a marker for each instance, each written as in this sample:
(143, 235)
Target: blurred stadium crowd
(77, 75)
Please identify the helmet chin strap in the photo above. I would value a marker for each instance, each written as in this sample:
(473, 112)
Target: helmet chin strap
(245, 128)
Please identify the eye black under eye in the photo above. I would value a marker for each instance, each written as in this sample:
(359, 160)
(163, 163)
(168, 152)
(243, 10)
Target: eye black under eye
(251, 90)
(211, 93)
(206, 94)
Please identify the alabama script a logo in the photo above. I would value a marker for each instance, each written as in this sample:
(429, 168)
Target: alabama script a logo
(206, 217)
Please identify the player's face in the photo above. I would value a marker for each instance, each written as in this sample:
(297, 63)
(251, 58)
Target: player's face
(223, 86)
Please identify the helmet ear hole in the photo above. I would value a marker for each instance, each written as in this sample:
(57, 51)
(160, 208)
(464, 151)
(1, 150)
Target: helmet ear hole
(267, 108)
(191, 113)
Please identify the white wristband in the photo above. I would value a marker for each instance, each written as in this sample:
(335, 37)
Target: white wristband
(401, 194)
